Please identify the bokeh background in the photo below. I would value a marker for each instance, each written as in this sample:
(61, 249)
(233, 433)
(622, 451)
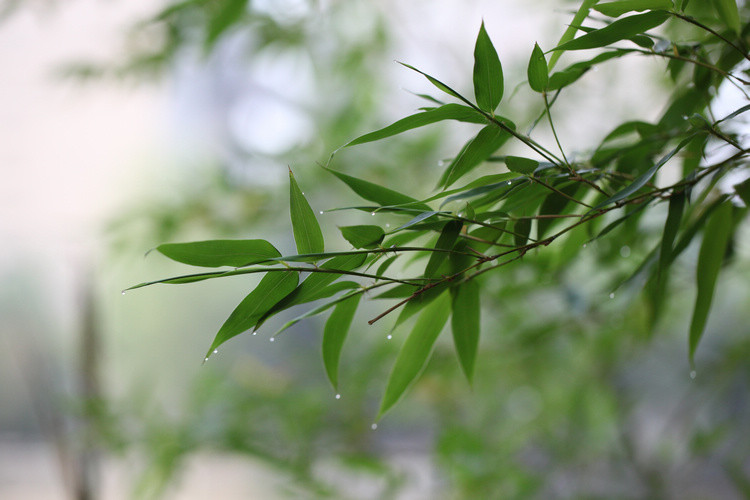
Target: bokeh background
(128, 124)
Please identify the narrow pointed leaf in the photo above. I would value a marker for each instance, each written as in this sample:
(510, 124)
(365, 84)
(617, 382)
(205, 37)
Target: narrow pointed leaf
(452, 111)
(307, 233)
(488, 73)
(378, 194)
(445, 241)
(321, 308)
(616, 9)
(521, 231)
(465, 325)
(621, 29)
(416, 351)
(575, 71)
(520, 165)
(334, 334)
(715, 239)
(728, 13)
(271, 289)
(570, 32)
(217, 253)
(671, 226)
(537, 70)
(437, 83)
(416, 220)
(476, 151)
(363, 236)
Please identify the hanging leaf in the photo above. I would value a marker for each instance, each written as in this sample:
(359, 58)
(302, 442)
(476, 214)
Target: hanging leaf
(437, 83)
(537, 70)
(414, 354)
(453, 111)
(378, 194)
(272, 288)
(729, 14)
(715, 239)
(218, 253)
(334, 334)
(307, 233)
(476, 151)
(363, 236)
(524, 166)
(570, 32)
(575, 71)
(616, 9)
(521, 231)
(488, 73)
(621, 29)
(465, 325)
(445, 241)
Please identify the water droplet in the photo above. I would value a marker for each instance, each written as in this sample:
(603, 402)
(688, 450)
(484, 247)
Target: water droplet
(389, 337)
(441, 163)
(216, 351)
(303, 192)
(612, 295)
(123, 292)
(693, 374)
(625, 251)
(684, 117)
(584, 245)
(338, 396)
(510, 182)
(205, 359)
(321, 212)
(372, 213)
(374, 426)
(387, 225)
(271, 339)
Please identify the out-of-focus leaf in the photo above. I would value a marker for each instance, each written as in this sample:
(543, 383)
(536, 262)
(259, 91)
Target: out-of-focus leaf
(537, 71)
(465, 325)
(363, 236)
(524, 166)
(715, 239)
(476, 151)
(743, 190)
(271, 289)
(658, 286)
(488, 73)
(229, 12)
(616, 9)
(307, 233)
(378, 194)
(570, 32)
(218, 253)
(414, 354)
(334, 334)
(729, 14)
(575, 71)
(554, 204)
(452, 111)
(621, 29)
(445, 241)
(521, 231)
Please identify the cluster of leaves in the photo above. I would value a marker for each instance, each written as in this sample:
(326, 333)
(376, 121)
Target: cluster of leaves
(436, 261)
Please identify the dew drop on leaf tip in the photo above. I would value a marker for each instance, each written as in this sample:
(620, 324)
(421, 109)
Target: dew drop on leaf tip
(612, 295)
(374, 426)
(123, 292)
(693, 374)
(320, 212)
(272, 339)
(338, 396)
(216, 351)
(389, 337)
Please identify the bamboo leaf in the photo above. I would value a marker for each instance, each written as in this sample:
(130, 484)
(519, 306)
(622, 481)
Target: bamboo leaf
(575, 71)
(476, 151)
(729, 14)
(321, 308)
(378, 194)
(465, 325)
(446, 240)
(414, 354)
(363, 236)
(452, 111)
(621, 29)
(537, 71)
(616, 9)
(524, 166)
(334, 335)
(218, 253)
(271, 289)
(437, 83)
(521, 231)
(715, 239)
(488, 73)
(570, 32)
(307, 233)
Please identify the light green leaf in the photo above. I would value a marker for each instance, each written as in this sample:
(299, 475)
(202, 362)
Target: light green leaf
(363, 236)
(334, 334)
(446, 240)
(452, 111)
(307, 233)
(715, 239)
(728, 13)
(378, 194)
(570, 32)
(271, 289)
(476, 151)
(575, 71)
(414, 354)
(416, 220)
(217, 253)
(616, 9)
(520, 165)
(465, 325)
(537, 70)
(488, 73)
(621, 29)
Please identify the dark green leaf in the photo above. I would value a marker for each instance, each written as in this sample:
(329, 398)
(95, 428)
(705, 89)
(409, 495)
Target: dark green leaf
(575, 71)
(476, 151)
(465, 325)
(321, 308)
(621, 29)
(378, 194)
(488, 73)
(521, 231)
(416, 220)
(728, 13)
(453, 111)
(334, 334)
(414, 354)
(671, 227)
(743, 190)
(363, 236)
(447, 239)
(537, 70)
(307, 233)
(710, 258)
(437, 83)
(524, 166)
(217, 253)
(616, 9)
(271, 289)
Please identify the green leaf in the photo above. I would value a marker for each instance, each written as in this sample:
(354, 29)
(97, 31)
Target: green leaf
(307, 233)
(414, 354)
(524, 166)
(575, 71)
(363, 236)
(743, 191)
(465, 325)
(217, 253)
(476, 151)
(334, 334)
(271, 289)
(321, 308)
(452, 111)
(445, 241)
(416, 220)
(715, 239)
(488, 73)
(378, 194)
(570, 32)
(437, 83)
(616, 9)
(521, 231)
(621, 29)
(729, 14)
(537, 71)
